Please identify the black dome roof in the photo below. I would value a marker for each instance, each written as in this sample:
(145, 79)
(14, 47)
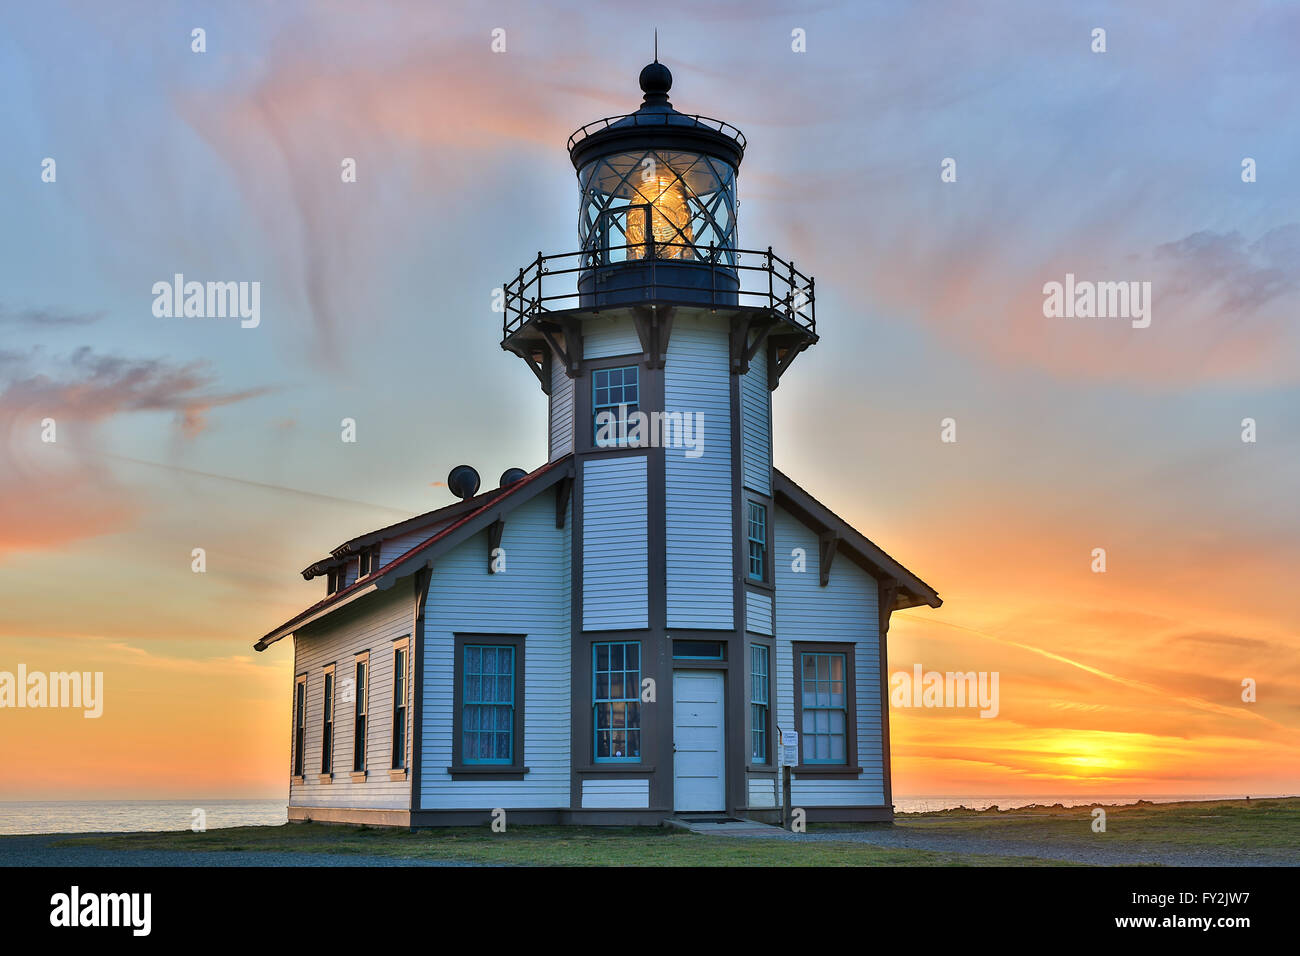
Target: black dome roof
(657, 125)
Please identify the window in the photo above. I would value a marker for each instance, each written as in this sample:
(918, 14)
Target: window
(697, 650)
(362, 692)
(824, 698)
(757, 542)
(399, 704)
(369, 561)
(614, 395)
(327, 726)
(299, 722)
(488, 704)
(616, 695)
(758, 702)
(488, 707)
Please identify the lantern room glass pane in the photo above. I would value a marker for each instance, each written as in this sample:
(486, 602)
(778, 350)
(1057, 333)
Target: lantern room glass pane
(665, 204)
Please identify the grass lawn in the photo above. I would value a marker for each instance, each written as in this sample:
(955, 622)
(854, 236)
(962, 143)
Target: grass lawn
(545, 846)
(1270, 829)
(1268, 825)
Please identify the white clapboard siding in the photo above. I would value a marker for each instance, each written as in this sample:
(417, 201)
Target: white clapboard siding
(371, 623)
(620, 794)
(609, 336)
(756, 427)
(845, 610)
(531, 597)
(762, 791)
(758, 612)
(614, 545)
(699, 490)
(562, 411)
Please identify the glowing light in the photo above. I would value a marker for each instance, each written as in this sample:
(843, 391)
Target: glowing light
(670, 219)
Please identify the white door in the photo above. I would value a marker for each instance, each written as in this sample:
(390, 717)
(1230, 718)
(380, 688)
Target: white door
(698, 741)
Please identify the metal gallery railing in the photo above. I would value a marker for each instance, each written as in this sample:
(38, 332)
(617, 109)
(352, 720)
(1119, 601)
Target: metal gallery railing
(649, 271)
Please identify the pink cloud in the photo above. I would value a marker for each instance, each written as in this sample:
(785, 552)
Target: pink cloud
(56, 492)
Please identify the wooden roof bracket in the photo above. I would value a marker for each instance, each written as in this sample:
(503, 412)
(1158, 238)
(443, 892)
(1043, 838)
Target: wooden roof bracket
(827, 542)
(654, 325)
(563, 492)
(571, 354)
(495, 530)
(888, 598)
(527, 356)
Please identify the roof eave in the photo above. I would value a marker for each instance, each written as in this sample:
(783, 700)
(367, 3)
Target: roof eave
(912, 591)
(293, 625)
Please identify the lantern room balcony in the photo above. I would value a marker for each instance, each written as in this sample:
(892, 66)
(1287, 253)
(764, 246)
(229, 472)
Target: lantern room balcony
(661, 274)
(754, 289)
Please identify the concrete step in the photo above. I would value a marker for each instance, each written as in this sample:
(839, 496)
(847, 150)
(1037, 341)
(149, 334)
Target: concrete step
(724, 826)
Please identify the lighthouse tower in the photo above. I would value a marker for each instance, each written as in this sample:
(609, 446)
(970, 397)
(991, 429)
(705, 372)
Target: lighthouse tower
(658, 343)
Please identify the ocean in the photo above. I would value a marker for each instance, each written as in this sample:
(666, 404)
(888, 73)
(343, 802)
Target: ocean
(124, 816)
(121, 816)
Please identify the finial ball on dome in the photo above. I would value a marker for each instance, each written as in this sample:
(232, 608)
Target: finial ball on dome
(656, 78)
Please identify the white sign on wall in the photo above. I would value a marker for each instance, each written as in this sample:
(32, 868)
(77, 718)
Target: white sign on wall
(790, 748)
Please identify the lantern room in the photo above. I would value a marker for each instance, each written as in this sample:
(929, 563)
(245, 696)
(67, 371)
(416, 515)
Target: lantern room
(657, 237)
(657, 203)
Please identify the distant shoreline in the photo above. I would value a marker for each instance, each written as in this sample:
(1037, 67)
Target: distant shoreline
(1099, 802)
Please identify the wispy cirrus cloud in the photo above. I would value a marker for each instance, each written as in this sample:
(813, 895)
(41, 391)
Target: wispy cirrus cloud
(47, 318)
(91, 387)
(54, 492)
(416, 131)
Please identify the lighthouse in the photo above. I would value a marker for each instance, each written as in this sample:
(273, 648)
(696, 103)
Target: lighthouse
(656, 620)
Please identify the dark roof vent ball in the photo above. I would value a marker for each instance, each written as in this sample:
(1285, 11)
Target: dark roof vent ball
(656, 78)
(463, 481)
(511, 475)
(656, 81)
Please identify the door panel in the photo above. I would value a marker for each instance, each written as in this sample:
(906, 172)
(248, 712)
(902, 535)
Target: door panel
(699, 779)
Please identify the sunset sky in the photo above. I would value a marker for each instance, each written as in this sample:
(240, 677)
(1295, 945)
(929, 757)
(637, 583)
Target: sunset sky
(1072, 434)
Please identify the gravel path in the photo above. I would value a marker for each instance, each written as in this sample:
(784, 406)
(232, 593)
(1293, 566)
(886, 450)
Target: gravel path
(1106, 850)
(36, 850)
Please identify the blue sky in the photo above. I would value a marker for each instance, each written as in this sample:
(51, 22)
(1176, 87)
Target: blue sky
(375, 295)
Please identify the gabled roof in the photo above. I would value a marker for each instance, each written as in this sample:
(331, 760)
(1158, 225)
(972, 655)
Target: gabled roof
(489, 508)
(471, 516)
(912, 591)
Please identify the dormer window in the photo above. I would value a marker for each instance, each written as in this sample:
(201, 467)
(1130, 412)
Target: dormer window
(369, 562)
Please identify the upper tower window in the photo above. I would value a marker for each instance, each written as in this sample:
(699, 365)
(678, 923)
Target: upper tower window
(757, 542)
(614, 396)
